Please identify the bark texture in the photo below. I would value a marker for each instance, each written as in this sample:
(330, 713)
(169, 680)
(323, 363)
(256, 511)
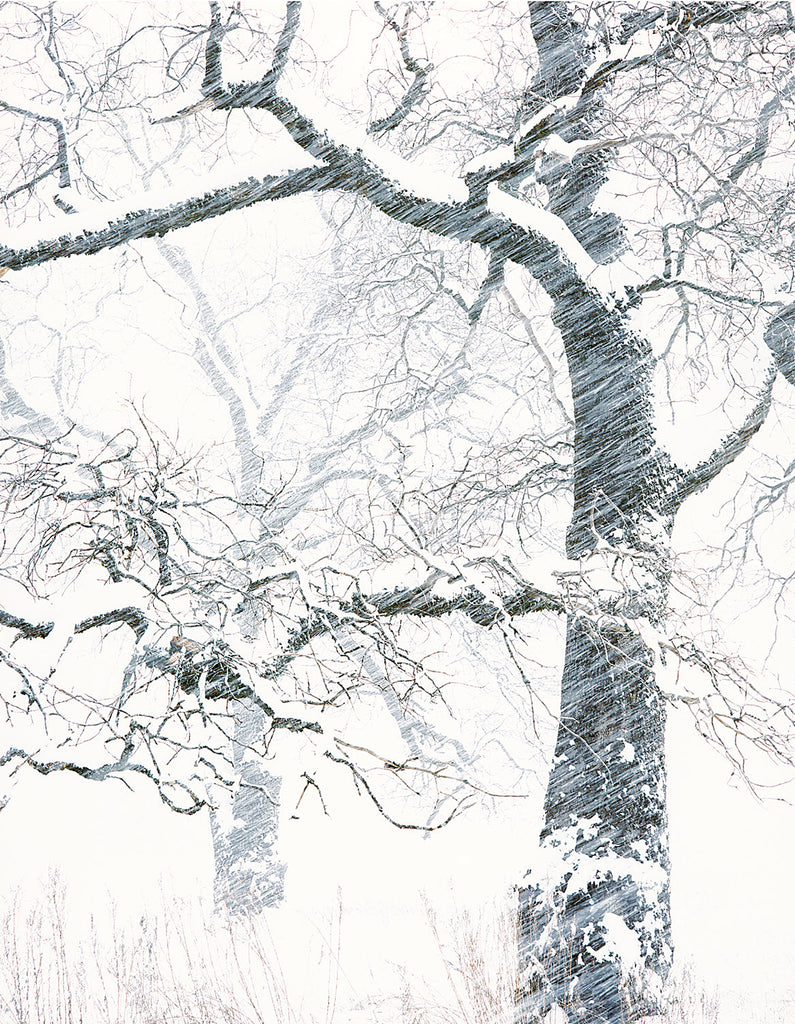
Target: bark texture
(595, 930)
(249, 876)
(595, 915)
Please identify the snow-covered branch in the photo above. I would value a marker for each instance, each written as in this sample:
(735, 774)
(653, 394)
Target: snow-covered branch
(691, 481)
(111, 769)
(114, 224)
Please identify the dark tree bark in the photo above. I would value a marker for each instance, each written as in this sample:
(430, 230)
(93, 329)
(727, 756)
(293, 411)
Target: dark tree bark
(595, 934)
(606, 830)
(606, 822)
(595, 923)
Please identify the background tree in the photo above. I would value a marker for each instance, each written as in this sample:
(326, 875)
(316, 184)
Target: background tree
(518, 178)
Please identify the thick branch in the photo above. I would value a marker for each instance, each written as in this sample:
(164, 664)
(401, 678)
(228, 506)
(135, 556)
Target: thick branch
(426, 601)
(213, 84)
(282, 49)
(131, 616)
(779, 339)
(493, 281)
(154, 223)
(442, 204)
(28, 630)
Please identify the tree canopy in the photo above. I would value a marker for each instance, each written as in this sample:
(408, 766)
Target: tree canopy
(427, 282)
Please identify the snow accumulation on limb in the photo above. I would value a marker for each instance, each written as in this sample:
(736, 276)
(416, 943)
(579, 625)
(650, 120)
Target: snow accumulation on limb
(131, 616)
(26, 629)
(445, 204)
(611, 281)
(109, 224)
(187, 660)
(341, 157)
(444, 590)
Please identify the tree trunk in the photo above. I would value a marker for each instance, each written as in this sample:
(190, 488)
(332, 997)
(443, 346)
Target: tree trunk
(595, 916)
(249, 875)
(595, 931)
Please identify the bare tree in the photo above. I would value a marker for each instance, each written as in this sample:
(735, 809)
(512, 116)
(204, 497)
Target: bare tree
(582, 187)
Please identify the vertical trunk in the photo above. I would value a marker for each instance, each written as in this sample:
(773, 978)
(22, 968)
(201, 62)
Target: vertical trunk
(248, 873)
(595, 915)
(595, 931)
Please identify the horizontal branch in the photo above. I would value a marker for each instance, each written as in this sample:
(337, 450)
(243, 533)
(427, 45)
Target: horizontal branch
(103, 772)
(425, 601)
(154, 223)
(131, 616)
(28, 630)
(655, 284)
(440, 203)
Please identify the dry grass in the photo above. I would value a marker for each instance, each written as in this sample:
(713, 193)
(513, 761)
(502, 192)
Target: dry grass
(184, 967)
(171, 969)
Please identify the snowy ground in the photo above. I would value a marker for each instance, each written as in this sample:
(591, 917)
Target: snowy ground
(384, 921)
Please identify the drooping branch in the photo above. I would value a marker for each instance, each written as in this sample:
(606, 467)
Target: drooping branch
(362, 782)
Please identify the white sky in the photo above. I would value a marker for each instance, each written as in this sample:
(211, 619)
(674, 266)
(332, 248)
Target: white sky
(733, 888)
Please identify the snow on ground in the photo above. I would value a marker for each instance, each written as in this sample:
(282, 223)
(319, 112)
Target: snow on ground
(382, 912)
